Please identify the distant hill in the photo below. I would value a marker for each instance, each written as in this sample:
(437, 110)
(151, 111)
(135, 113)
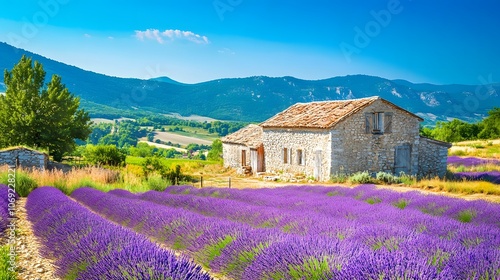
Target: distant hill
(165, 80)
(258, 98)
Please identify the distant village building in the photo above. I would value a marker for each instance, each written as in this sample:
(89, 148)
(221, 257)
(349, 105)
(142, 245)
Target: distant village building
(25, 157)
(321, 139)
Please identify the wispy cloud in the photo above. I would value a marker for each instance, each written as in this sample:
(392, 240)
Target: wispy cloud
(86, 35)
(171, 35)
(226, 51)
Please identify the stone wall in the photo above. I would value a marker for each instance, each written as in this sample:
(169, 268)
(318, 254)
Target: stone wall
(25, 157)
(432, 158)
(231, 153)
(308, 141)
(355, 150)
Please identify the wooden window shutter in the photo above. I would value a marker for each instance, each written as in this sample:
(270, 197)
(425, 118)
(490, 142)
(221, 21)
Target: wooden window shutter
(388, 122)
(368, 122)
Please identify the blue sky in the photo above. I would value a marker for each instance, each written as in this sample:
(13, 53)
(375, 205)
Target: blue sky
(191, 41)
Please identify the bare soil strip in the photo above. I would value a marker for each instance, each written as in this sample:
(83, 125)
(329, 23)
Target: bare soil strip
(31, 265)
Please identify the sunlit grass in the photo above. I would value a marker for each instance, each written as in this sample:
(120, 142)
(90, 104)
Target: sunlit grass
(476, 168)
(462, 187)
(478, 148)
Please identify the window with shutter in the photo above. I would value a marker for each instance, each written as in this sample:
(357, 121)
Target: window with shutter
(368, 122)
(388, 122)
(377, 123)
(285, 155)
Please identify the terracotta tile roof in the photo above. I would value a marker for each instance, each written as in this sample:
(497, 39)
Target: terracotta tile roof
(250, 135)
(323, 114)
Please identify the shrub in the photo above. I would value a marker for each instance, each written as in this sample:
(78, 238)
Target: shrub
(361, 178)
(157, 183)
(5, 273)
(24, 183)
(407, 179)
(388, 178)
(339, 178)
(104, 155)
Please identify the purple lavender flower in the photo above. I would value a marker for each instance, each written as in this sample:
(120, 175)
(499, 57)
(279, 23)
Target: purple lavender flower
(313, 232)
(470, 161)
(490, 176)
(86, 246)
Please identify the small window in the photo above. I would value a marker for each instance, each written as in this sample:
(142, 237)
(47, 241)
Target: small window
(300, 157)
(285, 155)
(378, 122)
(375, 122)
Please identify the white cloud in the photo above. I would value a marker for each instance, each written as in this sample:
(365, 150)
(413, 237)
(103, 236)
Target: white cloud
(111, 37)
(170, 34)
(87, 35)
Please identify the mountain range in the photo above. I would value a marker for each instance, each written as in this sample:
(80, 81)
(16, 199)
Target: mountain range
(255, 99)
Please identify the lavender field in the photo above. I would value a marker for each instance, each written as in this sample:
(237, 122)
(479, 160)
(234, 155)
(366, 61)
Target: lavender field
(311, 232)
(86, 246)
(488, 175)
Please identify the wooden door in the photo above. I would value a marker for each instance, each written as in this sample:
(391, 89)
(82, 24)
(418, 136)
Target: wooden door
(260, 159)
(317, 165)
(253, 160)
(402, 159)
(243, 157)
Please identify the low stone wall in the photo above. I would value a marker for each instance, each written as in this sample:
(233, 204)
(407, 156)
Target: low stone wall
(24, 157)
(432, 158)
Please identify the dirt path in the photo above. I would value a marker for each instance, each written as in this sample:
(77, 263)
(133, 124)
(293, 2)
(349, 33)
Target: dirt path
(32, 266)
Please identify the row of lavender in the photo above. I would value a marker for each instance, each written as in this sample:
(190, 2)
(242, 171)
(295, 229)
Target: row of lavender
(304, 199)
(490, 176)
(7, 196)
(86, 246)
(315, 232)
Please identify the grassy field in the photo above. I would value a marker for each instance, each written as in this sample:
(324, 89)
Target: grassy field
(187, 165)
(178, 138)
(479, 148)
(195, 132)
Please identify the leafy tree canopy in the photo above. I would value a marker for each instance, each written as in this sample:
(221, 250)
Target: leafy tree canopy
(215, 153)
(42, 117)
(457, 130)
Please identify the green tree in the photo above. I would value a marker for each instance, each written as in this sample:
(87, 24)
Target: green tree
(491, 125)
(104, 155)
(37, 116)
(455, 131)
(215, 153)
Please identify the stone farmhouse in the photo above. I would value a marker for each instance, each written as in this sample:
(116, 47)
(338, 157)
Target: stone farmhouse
(321, 139)
(25, 157)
